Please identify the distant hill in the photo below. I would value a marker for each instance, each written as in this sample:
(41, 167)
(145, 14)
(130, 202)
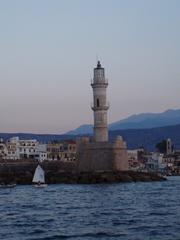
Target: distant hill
(148, 120)
(135, 138)
(148, 138)
(83, 129)
(43, 138)
(137, 121)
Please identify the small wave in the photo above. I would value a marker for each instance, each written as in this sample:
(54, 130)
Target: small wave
(94, 235)
(160, 213)
(37, 231)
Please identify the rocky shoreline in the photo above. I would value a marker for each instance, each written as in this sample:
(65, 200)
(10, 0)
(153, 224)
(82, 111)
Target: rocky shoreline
(58, 172)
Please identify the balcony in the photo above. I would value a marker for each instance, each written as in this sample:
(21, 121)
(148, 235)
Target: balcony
(103, 107)
(99, 83)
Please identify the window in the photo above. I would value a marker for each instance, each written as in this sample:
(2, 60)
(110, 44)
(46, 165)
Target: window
(97, 102)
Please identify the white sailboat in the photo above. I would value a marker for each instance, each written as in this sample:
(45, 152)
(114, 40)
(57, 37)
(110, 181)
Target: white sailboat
(39, 179)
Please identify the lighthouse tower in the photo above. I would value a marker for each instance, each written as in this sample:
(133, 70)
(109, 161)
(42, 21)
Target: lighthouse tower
(100, 154)
(100, 105)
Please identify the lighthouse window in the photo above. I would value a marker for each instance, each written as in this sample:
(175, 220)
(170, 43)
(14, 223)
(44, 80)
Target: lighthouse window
(97, 102)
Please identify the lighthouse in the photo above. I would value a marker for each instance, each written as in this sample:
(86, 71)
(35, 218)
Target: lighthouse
(100, 106)
(100, 155)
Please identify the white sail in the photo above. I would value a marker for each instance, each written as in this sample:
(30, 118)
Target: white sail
(39, 175)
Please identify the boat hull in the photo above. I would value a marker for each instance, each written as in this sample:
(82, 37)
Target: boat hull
(40, 185)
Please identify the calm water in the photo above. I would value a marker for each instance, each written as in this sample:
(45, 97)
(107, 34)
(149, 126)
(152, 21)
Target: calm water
(109, 211)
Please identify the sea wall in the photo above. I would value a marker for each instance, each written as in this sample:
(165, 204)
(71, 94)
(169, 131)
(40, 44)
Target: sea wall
(60, 172)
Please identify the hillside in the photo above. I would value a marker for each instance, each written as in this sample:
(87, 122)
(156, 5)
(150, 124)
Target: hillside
(137, 121)
(135, 138)
(43, 138)
(148, 138)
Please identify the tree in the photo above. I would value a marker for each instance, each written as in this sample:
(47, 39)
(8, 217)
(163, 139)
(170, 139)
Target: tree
(161, 146)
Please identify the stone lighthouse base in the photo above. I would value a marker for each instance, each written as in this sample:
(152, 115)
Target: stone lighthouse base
(101, 156)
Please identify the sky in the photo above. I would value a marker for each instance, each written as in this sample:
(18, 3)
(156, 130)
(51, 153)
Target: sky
(48, 49)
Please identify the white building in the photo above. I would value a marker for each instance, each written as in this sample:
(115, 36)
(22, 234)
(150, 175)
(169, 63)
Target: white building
(155, 163)
(27, 148)
(19, 149)
(12, 148)
(41, 152)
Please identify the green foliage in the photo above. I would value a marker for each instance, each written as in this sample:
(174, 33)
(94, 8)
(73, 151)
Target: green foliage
(161, 146)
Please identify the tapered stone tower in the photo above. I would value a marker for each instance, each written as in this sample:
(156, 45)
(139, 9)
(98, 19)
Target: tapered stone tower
(100, 155)
(100, 105)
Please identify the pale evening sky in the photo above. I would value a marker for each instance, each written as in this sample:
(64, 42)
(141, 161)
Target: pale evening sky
(48, 50)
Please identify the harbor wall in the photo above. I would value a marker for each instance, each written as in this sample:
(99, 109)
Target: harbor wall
(58, 172)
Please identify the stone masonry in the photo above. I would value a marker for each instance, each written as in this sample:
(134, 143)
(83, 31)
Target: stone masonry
(99, 154)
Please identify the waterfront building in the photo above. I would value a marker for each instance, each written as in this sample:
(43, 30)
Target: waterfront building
(3, 150)
(41, 152)
(12, 149)
(69, 151)
(21, 149)
(54, 151)
(173, 162)
(18, 149)
(155, 163)
(61, 151)
(133, 161)
(27, 148)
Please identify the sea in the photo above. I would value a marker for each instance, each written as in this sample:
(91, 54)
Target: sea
(127, 211)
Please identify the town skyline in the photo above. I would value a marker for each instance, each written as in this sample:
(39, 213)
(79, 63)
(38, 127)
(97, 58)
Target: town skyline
(48, 52)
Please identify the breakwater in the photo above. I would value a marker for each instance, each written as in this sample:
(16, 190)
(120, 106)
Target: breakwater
(60, 172)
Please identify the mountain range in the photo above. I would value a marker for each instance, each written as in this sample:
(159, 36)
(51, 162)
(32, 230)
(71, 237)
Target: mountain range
(148, 138)
(135, 138)
(143, 130)
(136, 121)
